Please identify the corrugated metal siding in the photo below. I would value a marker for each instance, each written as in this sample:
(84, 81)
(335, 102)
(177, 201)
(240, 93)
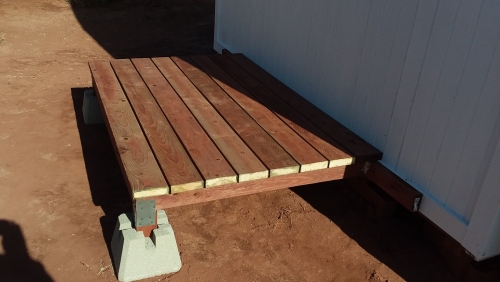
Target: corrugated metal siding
(414, 78)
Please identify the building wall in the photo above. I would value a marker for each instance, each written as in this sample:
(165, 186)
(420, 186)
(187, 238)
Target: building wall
(483, 233)
(417, 79)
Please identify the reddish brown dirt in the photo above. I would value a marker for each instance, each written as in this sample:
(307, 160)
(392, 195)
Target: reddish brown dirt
(61, 189)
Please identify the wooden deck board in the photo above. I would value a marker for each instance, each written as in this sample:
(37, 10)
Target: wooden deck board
(204, 128)
(241, 158)
(257, 186)
(328, 147)
(272, 155)
(350, 141)
(176, 164)
(211, 164)
(140, 169)
(298, 148)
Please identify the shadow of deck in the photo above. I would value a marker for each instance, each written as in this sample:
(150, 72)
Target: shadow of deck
(151, 29)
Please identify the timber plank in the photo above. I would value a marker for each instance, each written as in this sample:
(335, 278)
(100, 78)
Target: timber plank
(138, 164)
(350, 141)
(242, 159)
(205, 155)
(271, 153)
(298, 148)
(177, 167)
(393, 185)
(328, 147)
(258, 186)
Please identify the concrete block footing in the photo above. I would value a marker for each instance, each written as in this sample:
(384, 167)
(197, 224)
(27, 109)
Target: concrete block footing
(91, 110)
(137, 257)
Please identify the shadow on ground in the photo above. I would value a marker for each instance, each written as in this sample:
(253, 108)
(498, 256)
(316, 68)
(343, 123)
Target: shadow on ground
(126, 29)
(105, 179)
(399, 242)
(15, 262)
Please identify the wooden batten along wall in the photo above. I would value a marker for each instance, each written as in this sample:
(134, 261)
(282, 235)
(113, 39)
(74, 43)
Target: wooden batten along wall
(419, 80)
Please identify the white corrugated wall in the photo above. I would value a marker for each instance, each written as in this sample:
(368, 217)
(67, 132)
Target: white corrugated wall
(420, 80)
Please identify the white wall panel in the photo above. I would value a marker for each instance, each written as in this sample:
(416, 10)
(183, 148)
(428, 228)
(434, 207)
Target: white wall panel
(409, 80)
(379, 125)
(417, 79)
(428, 76)
(378, 72)
(449, 81)
(483, 234)
(367, 58)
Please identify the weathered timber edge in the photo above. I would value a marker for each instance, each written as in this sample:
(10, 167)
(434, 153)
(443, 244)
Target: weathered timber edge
(256, 186)
(396, 187)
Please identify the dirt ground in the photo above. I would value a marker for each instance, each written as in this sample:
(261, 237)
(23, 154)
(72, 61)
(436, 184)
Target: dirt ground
(61, 189)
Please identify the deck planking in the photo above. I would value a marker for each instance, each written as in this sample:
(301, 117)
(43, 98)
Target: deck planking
(308, 158)
(348, 139)
(212, 166)
(139, 166)
(184, 123)
(179, 170)
(328, 147)
(273, 156)
(239, 156)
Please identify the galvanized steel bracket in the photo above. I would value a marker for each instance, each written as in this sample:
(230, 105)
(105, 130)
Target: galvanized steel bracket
(416, 204)
(366, 167)
(145, 213)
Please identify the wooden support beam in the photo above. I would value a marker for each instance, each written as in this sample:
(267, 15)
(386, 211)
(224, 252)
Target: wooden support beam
(393, 185)
(383, 204)
(257, 186)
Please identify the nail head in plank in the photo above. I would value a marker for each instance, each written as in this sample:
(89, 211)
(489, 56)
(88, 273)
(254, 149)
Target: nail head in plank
(178, 168)
(346, 138)
(138, 164)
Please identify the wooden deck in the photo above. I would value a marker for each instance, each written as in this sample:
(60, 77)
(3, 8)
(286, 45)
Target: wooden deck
(195, 129)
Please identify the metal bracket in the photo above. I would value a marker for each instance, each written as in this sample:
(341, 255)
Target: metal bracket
(366, 167)
(145, 213)
(415, 204)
